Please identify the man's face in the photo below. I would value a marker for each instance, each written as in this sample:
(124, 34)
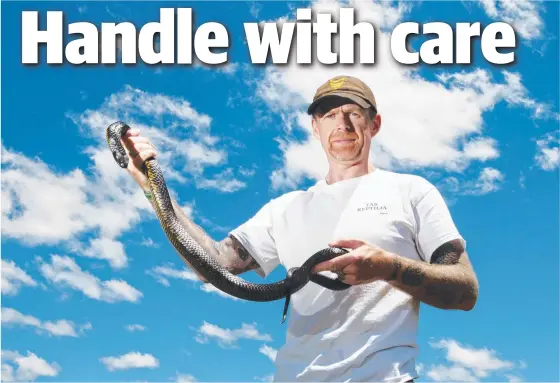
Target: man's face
(345, 132)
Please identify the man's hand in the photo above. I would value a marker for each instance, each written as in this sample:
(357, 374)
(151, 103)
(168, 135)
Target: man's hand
(448, 282)
(138, 149)
(365, 263)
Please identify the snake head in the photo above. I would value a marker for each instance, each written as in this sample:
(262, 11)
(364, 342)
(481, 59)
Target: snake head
(113, 134)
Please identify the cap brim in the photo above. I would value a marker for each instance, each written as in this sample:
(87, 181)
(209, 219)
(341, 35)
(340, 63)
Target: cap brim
(350, 96)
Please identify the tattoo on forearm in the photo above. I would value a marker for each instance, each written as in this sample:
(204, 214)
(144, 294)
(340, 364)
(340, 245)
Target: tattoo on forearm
(441, 288)
(396, 268)
(448, 253)
(236, 258)
(412, 276)
(229, 252)
(239, 249)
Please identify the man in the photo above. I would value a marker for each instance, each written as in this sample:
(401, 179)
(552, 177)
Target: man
(403, 249)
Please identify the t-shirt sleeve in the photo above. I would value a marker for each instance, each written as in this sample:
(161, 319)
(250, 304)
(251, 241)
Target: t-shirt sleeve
(434, 224)
(256, 235)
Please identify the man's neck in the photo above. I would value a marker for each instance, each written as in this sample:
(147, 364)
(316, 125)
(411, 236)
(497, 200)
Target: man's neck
(338, 172)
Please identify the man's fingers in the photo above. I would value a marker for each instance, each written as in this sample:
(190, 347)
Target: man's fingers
(350, 279)
(323, 266)
(338, 263)
(131, 140)
(351, 269)
(140, 148)
(346, 243)
(137, 140)
(143, 156)
(132, 132)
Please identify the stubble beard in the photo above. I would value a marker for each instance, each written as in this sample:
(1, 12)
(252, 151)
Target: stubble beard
(346, 154)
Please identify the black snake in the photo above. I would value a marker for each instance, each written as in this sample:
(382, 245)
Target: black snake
(200, 260)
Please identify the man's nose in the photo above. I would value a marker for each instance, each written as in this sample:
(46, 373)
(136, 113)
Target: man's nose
(343, 122)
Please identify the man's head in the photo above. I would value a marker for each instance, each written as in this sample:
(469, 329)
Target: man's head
(345, 119)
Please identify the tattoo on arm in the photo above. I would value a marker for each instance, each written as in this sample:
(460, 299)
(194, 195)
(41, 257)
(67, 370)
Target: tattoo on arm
(447, 282)
(412, 276)
(229, 252)
(237, 258)
(397, 266)
(448, 253)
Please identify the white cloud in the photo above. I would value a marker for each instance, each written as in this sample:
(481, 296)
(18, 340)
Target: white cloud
(54, 214)
(148, 242)
(67, 206)
(523, 15)
(61, 327)
(266, 378)
(13, 278)
(482, 149)
(180, 134)
(16, 367)
(7, 373)
(188, 209)
(441, 373)
(228, 337)
(209, 288)
(548, 152)
(489, 180)
(185, 378)
(135, 327)
(468, 363)
(133, 359)
(522, 180)
(229, 68)
(136, 101)
(246, 171)
(268, 351)
(513, 378)
(163, 273)
(223, 182)
(65, 272)
(481, 361)
(208, 224)
(425, 123)
(255, 8)
(104, 248)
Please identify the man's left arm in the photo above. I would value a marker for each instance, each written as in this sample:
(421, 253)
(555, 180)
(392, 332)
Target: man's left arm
(443, 277)
(447, 282)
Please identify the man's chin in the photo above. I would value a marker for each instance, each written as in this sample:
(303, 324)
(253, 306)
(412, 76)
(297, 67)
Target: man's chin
(345, 156)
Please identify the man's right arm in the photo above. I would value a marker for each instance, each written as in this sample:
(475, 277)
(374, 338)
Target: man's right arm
(228, 252)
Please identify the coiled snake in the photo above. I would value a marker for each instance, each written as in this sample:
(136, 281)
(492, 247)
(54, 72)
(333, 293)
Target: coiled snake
(200, 260)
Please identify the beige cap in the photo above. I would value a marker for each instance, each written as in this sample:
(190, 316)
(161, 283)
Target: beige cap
(344, 86)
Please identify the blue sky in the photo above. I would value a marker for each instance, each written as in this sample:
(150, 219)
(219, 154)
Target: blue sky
(91, 289)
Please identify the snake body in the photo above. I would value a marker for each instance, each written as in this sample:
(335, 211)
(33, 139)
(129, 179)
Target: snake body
(199, 258)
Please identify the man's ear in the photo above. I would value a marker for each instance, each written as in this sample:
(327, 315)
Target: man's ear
(375, 125)
(314, 127)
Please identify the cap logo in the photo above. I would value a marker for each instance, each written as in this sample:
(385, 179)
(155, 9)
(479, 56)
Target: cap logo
(337, 83)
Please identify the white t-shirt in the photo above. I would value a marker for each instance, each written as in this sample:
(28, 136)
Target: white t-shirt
(367, 332)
